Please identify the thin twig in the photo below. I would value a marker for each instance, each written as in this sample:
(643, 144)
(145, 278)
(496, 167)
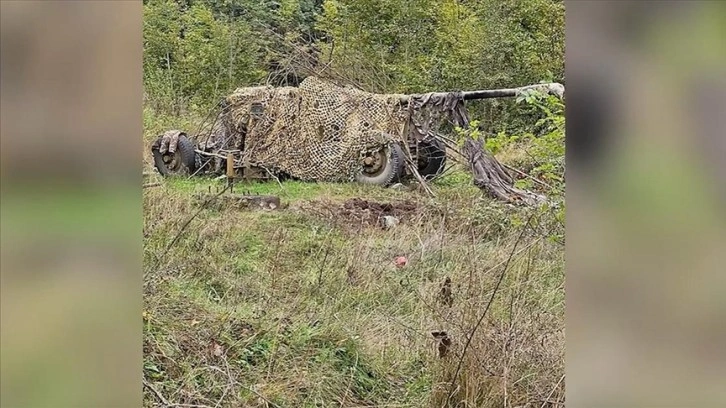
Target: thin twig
(414, 171)
(250, 389)
(486, 309)
(186, 224)
(220, 109)
(271, 175)
(157, 393)
(553, 391)
(450, 143)
(405, 326)
(322, 264)
(188, 406)
(442, 174)
(200, 168)
(521, 173)
(229, 385)
(203, 153)
(166, 403)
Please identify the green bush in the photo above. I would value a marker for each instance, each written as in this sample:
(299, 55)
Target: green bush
(196, 51)
(191, 58)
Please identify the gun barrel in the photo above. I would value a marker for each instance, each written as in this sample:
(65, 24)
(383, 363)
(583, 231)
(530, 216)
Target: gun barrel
(553, 88)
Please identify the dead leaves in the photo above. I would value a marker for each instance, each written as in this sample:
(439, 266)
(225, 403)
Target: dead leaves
(445, 295)
(446, 298)
(443, 342)
(215, 349)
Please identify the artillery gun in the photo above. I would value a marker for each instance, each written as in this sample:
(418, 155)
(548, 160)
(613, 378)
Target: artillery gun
(321, 132)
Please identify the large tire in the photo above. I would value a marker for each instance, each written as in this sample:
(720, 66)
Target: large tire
(182, 161)
(431, 158)
(388, 170)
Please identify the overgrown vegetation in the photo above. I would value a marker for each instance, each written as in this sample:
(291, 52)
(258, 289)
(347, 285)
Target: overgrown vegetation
(195, 51)
(305, 307)
(312, 305)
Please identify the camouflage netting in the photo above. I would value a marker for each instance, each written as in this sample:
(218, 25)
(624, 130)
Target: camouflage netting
(315, 132)
(320, 131)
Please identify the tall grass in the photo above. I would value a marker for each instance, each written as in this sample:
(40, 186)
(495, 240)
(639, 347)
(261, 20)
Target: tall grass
(304, 307)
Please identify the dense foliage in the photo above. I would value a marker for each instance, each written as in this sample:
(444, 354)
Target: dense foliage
(195, 51)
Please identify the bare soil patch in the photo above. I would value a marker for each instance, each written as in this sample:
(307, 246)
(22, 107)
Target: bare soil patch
(357, 212)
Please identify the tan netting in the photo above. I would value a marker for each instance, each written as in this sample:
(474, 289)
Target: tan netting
(320, 131)
(316, 132)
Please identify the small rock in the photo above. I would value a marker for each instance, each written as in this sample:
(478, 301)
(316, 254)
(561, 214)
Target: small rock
(390, 221)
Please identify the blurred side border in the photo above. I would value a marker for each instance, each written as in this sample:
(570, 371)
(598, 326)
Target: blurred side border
(71, 125)
(646, 151)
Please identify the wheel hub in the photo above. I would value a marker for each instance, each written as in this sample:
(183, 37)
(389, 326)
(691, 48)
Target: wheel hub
(171, 160)
(375, 162)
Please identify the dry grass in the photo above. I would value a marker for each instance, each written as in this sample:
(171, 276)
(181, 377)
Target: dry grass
(304, 307)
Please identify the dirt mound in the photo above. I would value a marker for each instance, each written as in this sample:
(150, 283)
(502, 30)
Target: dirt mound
(395, 209)
(357, 212)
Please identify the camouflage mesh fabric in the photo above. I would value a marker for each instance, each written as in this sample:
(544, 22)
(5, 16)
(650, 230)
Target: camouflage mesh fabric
(168, 141)
(315, 132)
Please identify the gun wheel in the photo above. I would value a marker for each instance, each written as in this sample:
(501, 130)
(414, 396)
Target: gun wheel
(182, 160)
(382, 167)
